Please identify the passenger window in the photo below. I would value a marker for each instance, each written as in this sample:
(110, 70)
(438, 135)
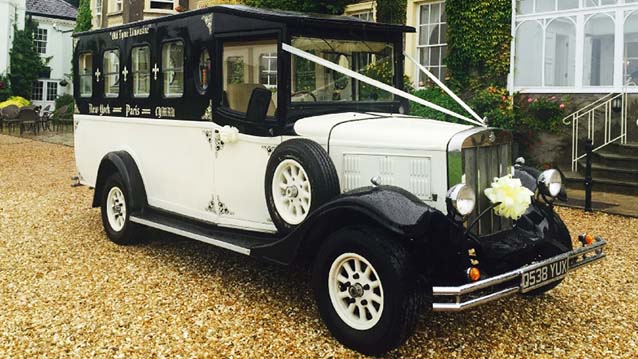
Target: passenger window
(173, 68)
(204, 69)
(111, 64)
(85, 69)
(141, 58)
(246, 66)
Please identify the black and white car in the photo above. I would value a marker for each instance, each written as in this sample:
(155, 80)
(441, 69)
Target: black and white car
(287, 137)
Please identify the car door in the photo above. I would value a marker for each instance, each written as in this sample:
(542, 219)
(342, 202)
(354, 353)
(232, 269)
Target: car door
(243, 149)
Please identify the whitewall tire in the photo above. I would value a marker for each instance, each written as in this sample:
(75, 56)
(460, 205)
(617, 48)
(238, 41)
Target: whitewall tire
(300, 177)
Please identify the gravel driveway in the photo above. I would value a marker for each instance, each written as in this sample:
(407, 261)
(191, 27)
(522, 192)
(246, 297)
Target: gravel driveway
(66, 291)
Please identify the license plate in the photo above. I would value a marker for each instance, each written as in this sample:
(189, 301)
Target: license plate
(547, 273)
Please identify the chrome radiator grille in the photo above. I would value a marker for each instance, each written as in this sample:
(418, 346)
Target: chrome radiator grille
(481, 165)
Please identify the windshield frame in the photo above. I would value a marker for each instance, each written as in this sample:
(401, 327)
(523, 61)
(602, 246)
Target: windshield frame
(297, 110)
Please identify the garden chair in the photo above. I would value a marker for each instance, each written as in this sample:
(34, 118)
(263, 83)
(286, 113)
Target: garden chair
(28, 118)
(44, 118)
(10, 114)
(58, 117)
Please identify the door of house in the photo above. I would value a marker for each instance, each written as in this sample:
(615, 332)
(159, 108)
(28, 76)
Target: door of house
(44, 93)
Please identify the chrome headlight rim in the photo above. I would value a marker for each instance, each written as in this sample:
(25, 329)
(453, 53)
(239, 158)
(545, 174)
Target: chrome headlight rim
(550, 183)
(462, 199)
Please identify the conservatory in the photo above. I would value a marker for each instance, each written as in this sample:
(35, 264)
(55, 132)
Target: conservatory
(574, 46)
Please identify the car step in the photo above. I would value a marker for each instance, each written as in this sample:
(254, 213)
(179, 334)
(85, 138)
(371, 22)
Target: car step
(233, 240)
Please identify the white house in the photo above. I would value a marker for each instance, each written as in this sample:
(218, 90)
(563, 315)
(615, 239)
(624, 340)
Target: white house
(11, 11)
(56, 20)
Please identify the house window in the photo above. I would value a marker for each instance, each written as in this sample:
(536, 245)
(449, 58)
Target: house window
(173, 68)
(364, 15)
(85, 70)
(162, 4)
(631, 50)
(560, 52)
(98, 14)
(141, 58)
(268, 70)
(529, 56)
(117, 5)
(432, 45)
(234, 69)
(37, 92)
(52, 90)
(111, 65)
(40, 39)
(598, 51)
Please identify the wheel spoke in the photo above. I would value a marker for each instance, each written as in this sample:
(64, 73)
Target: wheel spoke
(357, 266)
(362, 313)
(351, 308)
(343, 295)
(373, 311)
(342, 278)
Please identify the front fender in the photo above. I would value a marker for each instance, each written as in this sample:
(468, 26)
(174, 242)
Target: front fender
(388, 208)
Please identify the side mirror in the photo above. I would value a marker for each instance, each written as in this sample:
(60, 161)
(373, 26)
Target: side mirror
(258, 104)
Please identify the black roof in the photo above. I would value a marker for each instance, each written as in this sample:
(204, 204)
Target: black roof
(59, 9)
(280, 16)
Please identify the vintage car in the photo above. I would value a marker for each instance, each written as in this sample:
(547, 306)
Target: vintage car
(287, 137)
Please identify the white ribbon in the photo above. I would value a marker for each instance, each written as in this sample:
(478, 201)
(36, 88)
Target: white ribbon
(372, 82)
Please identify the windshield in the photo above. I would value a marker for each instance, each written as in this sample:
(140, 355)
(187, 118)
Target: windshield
(312, 82)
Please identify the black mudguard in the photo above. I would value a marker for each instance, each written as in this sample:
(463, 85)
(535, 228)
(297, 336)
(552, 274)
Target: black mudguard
(539, 234)
(122, 162)
(429, 233)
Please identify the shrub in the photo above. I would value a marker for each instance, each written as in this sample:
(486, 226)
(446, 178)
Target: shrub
(5, 88)
(544, 113)
(438, 97)
(15, 100)
(26, 64)
(495, 104)
(64, 100)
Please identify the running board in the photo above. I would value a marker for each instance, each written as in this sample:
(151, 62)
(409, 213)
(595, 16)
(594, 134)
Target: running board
(235, 241)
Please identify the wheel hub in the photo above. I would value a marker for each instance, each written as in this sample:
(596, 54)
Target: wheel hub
(356, 291)
(292, 192)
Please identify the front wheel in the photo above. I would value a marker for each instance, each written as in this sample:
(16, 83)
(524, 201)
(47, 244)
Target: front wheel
(366, 289)
(116, 211)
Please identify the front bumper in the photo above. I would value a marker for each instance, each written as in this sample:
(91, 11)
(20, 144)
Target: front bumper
(455, 299)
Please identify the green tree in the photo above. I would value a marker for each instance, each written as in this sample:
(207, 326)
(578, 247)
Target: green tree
(323, 7)
(26, 63)
(84, 18)
(391, 11)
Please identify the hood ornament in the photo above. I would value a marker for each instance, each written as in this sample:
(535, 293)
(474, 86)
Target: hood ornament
(376, 181)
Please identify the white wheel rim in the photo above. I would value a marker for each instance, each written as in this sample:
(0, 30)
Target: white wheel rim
(355, 291)
(291, 192)
(116, 209)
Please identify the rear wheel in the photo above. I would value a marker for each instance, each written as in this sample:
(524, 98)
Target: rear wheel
(116, 212)
(366, 289)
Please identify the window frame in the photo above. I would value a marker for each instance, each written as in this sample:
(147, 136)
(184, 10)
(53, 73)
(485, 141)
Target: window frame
(38, 84)
(442, 66)
(51, 85)
(40, 40)
(118, 73)
(90, 75)
(98, 13)
(134, 72)
(163, 69)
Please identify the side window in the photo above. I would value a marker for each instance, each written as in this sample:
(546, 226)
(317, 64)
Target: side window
(246, 66)
(85, 70)
(203, 71)
(111, 64)
(173, 68)
(141, 58)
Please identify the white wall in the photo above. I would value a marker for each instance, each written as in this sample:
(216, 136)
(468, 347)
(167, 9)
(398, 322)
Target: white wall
(60, 49)
(9, 11)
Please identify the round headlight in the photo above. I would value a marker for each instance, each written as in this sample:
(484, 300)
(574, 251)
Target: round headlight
(550, 182)
(462, 198)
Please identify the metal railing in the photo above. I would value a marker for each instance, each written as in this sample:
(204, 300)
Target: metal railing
(588, 118)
